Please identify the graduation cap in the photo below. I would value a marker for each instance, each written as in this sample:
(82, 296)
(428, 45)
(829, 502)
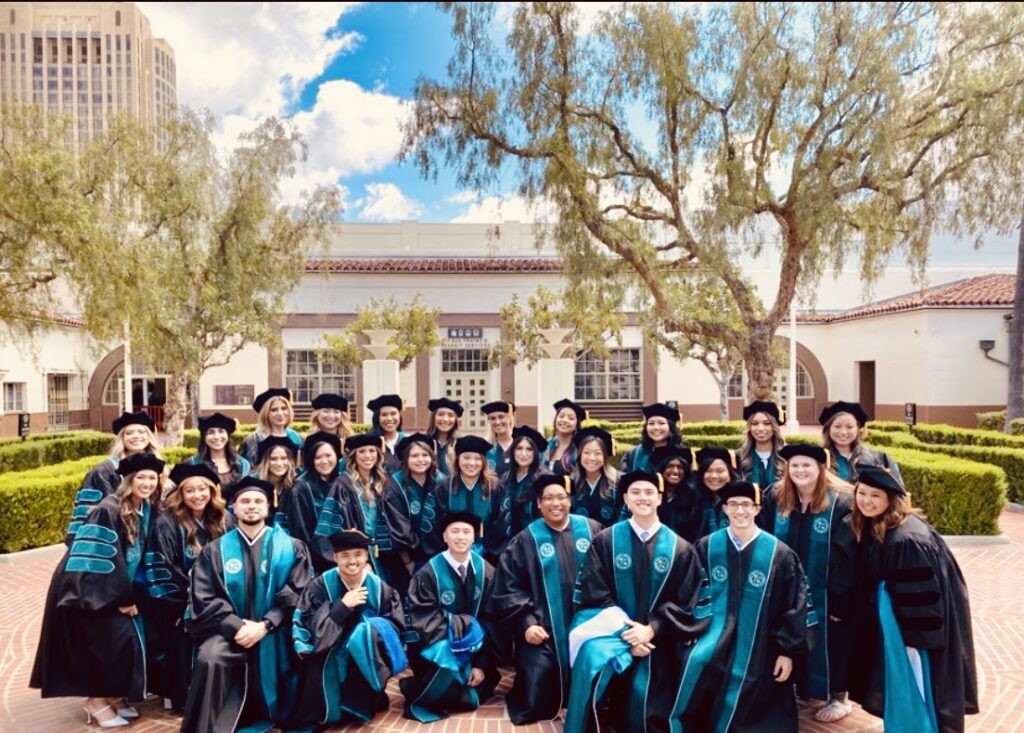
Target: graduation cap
(313, 443)
(465, 517)
(603, 435)
(660, 409)
(273, 441)
(385, 400)
(540, 443)
(498, 406)
(330, 401)
(713, 452)
(471, 444)
(263, 397)
(666, 453)
(581, 414)
(349, 539)
(740, 490)
(815, 452)
(245, 484)
(363, 440)
(217, 420)
(403, 446)
(441, 403)
(852, 408)
(768, 408)
(550, 479)
(139, 462)
(880, 477)
(633, 477)
(132, 418)
(185, 470)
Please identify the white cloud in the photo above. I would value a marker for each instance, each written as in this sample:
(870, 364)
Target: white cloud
(386, 202)
(248, 59)
(510, 207)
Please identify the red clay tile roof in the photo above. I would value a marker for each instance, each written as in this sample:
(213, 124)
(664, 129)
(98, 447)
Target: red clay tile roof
(435, 265)
(996, 289)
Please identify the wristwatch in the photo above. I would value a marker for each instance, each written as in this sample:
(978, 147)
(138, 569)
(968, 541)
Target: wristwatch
(269, 624)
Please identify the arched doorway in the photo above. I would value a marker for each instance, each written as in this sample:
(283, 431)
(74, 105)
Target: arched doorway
(106, 390)
(811, 386)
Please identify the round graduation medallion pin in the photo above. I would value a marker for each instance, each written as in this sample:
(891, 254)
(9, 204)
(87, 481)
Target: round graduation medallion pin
(719, 573)
(448, 597)
(756, 578)
(623, 561)
(234, 565)
(661, 563)
(547, 550)
(582, 544)
(821, 525)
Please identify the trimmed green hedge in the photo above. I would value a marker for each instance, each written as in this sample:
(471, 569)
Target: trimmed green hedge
(887, 426)
(951, 435)
(35, 453)
(996, 420)
(35, 505)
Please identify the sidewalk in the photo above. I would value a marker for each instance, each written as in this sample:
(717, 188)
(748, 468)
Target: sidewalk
(995, 577)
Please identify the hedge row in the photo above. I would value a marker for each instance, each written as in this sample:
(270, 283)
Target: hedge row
(996, 420)
(951, 435)
(35, 505)
(191, 436)
(35, 453)
(887, 426)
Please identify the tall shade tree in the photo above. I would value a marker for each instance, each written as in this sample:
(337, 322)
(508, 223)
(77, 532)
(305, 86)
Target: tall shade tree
(680, 140)
(414, 323)
(207, 251)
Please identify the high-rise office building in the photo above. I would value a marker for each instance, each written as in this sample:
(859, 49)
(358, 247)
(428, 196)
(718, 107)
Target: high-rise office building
(89, 61)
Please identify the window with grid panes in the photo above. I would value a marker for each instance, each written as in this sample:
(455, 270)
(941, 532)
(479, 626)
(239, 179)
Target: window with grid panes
(306, 374)
(804, 385)
(616, 378)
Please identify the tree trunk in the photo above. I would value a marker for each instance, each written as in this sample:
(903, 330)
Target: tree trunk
(193, 393)
(1015, 386)
(723, 380)
(176, 408)
(760, 364)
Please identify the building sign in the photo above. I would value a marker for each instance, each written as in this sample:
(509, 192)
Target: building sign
(23, 422)
(464, 332)
(910, 413)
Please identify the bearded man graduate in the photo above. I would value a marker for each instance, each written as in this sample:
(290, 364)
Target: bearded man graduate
(453, 667)
(347, 630)
(635, 625)
(244, 587)
(737, 677)
(533, 590)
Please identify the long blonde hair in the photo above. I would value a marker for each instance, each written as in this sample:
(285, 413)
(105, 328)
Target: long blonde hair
(214, 516)
(377, 476)
(343, 430)
(263, 420)
(488, 478)
(492, 438)
(117, 449)
(787, 497)
(287, 481)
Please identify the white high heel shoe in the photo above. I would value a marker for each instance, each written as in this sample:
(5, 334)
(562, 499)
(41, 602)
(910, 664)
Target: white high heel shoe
(116, 722)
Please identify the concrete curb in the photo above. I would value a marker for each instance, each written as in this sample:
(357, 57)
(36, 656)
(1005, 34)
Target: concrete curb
(1013, 506)
(23, 556)
(965, 540)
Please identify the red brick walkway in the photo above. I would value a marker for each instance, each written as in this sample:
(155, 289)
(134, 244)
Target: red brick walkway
(995, 575)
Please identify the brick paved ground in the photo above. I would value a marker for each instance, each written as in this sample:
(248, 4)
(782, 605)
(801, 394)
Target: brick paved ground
(995, 576)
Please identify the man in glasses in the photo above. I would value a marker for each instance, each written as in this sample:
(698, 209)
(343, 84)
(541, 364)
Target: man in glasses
(737, 677)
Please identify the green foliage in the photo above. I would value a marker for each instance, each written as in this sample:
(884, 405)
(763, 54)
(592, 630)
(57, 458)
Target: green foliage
(809, 133)
(951, 435)
(36, 453)
(415, 324)
(884, 426)
(995, 420)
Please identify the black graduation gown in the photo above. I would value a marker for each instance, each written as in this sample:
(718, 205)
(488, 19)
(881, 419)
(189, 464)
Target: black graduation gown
(99, 483)
(839, 585)
(516, 506)
(672, 617)
(445, 501)
(87, 647)
(431, 623)
(250, 447)
(168, 560)
(329, 625)
(299, 510)
(679, 512)
(763, 705)
(404, 507)
(929, 598)
(520, 600)
(226, 679)
(590, 503)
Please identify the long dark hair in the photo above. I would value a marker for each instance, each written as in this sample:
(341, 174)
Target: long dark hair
(233, 459)
(510, 456)
(675, 438)
(702, 468)
(431, 472)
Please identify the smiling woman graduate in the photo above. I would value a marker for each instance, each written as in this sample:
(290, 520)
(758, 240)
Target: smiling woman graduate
(92, 642)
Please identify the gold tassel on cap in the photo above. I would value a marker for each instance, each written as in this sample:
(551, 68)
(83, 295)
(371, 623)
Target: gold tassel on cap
(661, 483)
(568, 485)
(732, 459)
(757, 494)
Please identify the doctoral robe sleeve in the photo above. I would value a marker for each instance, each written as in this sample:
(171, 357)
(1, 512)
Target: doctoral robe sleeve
(512, 599)
(323, 620)
(425, 612)
(595, 583)
(673, 614)
(287, 598)
(789, 627)
(95, 574)
(395, 508)
(166, 579)
(908, 568)
(99, 483)
(210, 610)
(250, 448)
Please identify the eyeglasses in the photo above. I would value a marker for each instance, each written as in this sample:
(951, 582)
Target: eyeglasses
(744, 505)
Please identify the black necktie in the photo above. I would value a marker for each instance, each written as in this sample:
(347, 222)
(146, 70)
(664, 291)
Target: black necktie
(462, 572)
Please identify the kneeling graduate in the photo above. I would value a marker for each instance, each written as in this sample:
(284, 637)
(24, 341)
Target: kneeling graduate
(452, 666)
(347, 630)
